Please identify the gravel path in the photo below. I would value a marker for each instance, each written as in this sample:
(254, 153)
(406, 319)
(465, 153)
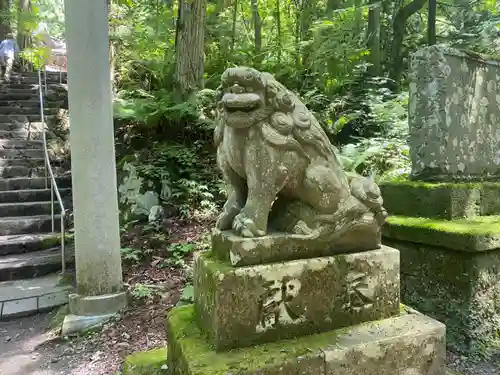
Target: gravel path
(27, 348)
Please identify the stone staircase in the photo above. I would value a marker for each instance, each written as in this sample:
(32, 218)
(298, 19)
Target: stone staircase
(30, 253)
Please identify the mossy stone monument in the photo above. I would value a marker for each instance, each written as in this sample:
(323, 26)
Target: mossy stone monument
(297, 281)
(444, 218)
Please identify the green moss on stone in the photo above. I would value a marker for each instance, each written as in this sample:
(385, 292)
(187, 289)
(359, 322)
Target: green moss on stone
(481, 225)
(151, 362)
(204, 360)
(388, 345)
(480, 233)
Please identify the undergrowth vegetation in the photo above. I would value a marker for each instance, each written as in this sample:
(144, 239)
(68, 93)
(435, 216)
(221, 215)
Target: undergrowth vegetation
(324, 52)
(347, 60)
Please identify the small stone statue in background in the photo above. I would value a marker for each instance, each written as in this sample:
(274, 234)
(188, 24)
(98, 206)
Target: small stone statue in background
(281, 170)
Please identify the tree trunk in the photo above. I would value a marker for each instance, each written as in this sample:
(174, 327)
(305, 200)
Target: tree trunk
(431, 23)
(233, 30)
(4, 19)
(306, 16)
(358, 16)
(374, 39)
(278, 26)
(23, 8)
(257, 30)
(398, 35)
(189, 47)
(332, 5)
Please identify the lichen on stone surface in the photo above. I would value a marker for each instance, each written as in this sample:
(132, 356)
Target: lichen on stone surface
(453, 115)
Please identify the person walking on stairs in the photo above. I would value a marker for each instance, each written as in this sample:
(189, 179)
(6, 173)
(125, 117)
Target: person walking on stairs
(8, 53)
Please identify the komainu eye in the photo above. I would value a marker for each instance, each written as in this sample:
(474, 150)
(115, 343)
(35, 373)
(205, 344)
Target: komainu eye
(249, 76)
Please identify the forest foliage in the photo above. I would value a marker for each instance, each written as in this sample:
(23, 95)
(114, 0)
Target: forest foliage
(347, 59)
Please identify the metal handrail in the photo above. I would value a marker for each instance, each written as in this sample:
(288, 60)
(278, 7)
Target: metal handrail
(49, 172)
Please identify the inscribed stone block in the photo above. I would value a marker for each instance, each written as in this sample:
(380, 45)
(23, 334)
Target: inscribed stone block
(453, 115)
(241, 306)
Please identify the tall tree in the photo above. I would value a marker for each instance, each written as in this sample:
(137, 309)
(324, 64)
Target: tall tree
(189, 47)
(257, 29)
(374, 37)
(23, 8)
(398, 35)
(4, 19)
(431, 22)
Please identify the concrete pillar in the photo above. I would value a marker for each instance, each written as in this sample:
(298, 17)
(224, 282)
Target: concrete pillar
(95, 201)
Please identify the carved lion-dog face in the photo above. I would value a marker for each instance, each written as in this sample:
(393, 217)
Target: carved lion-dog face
(243, 97)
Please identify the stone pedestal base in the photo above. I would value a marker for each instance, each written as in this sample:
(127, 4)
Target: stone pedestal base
(91, 312)
(243, 306)
(458, 288)
(448, 235)
(408, 344)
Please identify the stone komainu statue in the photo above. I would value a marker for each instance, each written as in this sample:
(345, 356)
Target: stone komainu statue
(281, 171)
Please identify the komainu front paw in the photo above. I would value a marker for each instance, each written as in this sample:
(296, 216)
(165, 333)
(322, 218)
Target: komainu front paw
(246, 227)
(225, 220)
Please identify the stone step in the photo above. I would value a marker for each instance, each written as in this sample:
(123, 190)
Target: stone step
(26, 243)
(18, 209)
(49, 74)
(10, 168)
(21, 126)
(28, 224)
(25, 183)
(51, 79)
(23, 119)
(17, 154)
(7, 144)
(36, 264)
(31, 102)
(21, 134)
(30, 296)
(23, 162)
(9, 110)
(25, 86)
(13, 93)
(5, 97)
(31, 195)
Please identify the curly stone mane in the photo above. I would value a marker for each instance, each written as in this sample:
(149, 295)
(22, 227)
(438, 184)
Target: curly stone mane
(284, 121)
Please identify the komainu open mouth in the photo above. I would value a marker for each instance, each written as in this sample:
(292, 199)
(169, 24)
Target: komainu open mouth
(240, 102)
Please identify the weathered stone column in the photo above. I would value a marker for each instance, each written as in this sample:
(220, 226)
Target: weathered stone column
(97, 241)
